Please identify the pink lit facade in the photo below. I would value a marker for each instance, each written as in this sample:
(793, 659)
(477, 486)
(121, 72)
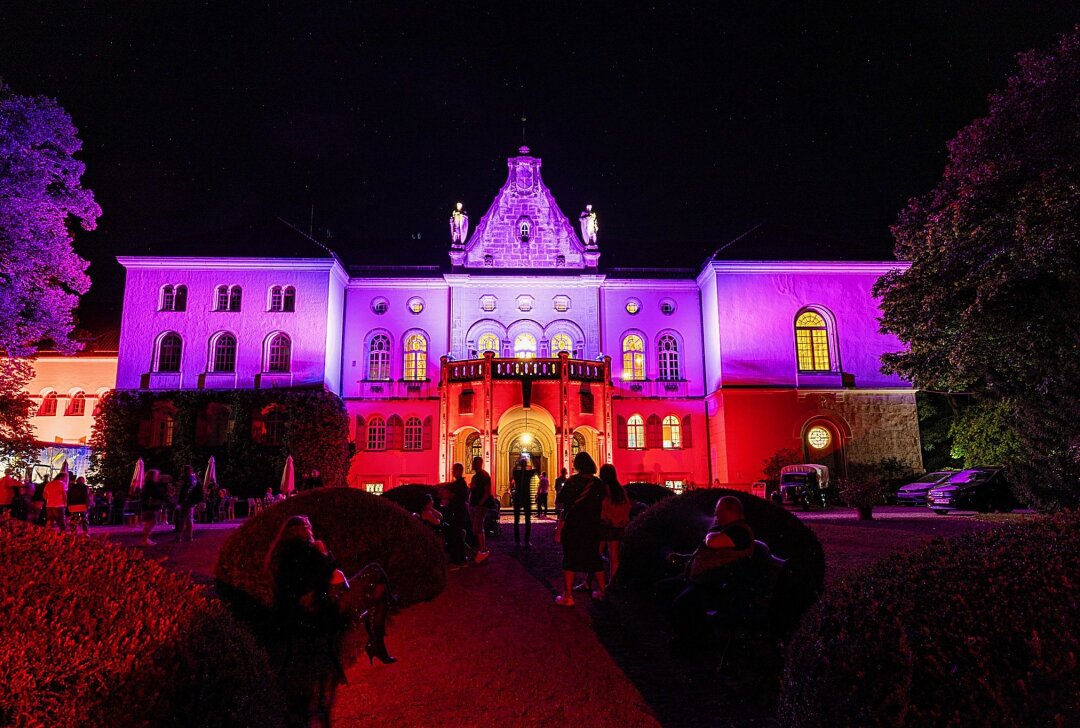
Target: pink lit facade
(525, 345)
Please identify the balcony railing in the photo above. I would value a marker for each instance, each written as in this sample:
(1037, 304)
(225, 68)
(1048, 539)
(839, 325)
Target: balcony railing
(396, 389)
(652, 388)
(472, 370)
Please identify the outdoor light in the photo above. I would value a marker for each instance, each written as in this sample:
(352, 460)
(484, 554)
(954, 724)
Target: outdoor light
(818, 438)
(526, 438)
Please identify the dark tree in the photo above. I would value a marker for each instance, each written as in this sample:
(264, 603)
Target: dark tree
(991, 303)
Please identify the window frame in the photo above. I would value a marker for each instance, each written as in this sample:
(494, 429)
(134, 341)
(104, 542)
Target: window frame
(633, 359)
(158, 347)
(384, 355)
(635, 432)
(219, 353)
(668, 361)
(413, 437)
(376, 434)
(813, 340)
(671, 427)
(415, 360)
(269, 365)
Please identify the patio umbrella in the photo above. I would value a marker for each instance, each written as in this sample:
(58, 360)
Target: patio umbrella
(137, 477)
(288, 478)
(211, 472)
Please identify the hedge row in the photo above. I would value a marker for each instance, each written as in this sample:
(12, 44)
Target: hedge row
(96, 635)
(981, 629)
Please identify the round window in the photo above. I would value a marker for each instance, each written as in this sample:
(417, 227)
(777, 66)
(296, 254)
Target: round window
(416, 305)
(380, 306)
(633, 306)
(667, 307)
(818, 437)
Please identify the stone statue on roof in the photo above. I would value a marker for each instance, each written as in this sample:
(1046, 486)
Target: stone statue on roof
(459, 225)
(589, 226)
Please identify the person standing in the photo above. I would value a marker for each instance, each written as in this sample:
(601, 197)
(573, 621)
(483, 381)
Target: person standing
(479, 493)
(10, 487)
(578, 529)
(560, 483)
(56, 501)
(191, 495)
(457, 516)
(37, 501)
(542, 496)
(523, 474)
(615, 516)
(152, 497)
(312, 481)
(78, 503)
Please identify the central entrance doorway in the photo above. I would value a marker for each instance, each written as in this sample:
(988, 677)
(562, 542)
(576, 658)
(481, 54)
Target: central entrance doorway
(528, 433)
(532, 450)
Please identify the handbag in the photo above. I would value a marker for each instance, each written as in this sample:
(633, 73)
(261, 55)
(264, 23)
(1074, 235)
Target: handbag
(615, 515)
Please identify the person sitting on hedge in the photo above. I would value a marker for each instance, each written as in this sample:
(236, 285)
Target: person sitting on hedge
(701, 586)
(310, 586)
(430, 515)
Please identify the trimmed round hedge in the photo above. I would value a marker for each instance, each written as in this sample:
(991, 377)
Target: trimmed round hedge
(411, 497)
(97, 635)
(980, 629)
(648, 493)
(679, 524)
(359, 528)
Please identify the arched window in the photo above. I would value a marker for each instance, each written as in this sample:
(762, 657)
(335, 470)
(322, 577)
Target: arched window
(577, 444)
(525, 346)
(275, 426)
(223, 358)
(487, 342)
(378, 358)
(288, 299)
(180, 299)
(168, 353)
(48, 405)
(221, 298)
(635, 433)
(76, 405)
(234, 298)
(416, 358)
(633, 358)
(672, 433)
(561, 342)
(168, 298)
(524, 232)
(275, 298)
(474, 446)
(414, 434)
(376, 434)
(668, 358)
(812, 342)
(279, 354)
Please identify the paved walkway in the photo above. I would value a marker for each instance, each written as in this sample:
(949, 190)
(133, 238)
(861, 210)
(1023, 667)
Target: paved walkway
(493, 649)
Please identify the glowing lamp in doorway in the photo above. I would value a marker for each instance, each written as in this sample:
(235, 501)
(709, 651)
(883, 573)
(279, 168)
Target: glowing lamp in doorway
(818, 437)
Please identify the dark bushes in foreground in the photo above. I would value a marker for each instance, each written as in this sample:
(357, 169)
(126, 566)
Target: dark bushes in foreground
(411, 497)
(981, 629)
(96, 635)
(680, 523)
(648, 493)
(358, 527)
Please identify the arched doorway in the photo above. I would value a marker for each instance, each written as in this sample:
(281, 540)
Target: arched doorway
(522, 431)
(823, 444)
(529, 448)
(586, 439)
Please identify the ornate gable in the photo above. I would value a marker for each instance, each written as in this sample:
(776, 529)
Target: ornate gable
(523, 228)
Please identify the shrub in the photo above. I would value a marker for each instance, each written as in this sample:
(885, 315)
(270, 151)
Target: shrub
(679, 524)
(980, 629)
(358, 527)
(97, 635)
(648, 493)
(863, 487)
(411, 497)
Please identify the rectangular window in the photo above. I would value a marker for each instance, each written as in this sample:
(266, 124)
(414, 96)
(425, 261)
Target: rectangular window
(373, 488)
(675, 485)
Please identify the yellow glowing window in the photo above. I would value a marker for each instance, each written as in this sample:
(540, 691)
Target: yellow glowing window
(633, 358)
(672, 433)
(525, 346)
(487, 342)
(561, 342)
(818, 438)
(416, 305)
(812, 343)
(416, 358)
(635, 433)
(633, 306)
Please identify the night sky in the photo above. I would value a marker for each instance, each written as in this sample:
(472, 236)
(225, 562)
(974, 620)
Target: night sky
(683, 126)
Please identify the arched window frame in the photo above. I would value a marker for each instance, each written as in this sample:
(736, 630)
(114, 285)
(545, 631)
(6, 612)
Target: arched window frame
(376, 433)
(668, 357)
(635, 432)
(488, 341)
(672, 433)
(812, 342)
(275, 299)
(379, 360)
(76, 404)
(167, 301)
(221, 298)
(174, 361)
(288, 299)
(525, 345)
(223, 350)
(560, 342)
(278, 353)
(49, 404)
(633, 356)
(235, 298)
(415, 346)
(414, 434)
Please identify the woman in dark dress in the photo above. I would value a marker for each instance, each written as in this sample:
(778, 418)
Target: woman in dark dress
(579, 528)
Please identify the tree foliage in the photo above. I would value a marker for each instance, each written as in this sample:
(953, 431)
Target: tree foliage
(983, 435)
(16, 434)
(991, 302)
(776, 462)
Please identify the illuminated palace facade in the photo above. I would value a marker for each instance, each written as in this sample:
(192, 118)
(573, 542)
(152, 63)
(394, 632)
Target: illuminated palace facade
(525, 345)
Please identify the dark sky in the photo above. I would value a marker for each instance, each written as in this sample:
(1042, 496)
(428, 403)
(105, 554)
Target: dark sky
(683, 125)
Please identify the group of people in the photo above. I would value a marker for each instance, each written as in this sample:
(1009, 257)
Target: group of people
(65, 506)
(154, 497)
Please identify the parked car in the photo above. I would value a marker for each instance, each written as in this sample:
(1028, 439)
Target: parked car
(804, 485)
(915, 492)
(976, 489)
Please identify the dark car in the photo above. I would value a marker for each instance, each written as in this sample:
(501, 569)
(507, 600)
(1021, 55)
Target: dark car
(977, 489)
(915, 492)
